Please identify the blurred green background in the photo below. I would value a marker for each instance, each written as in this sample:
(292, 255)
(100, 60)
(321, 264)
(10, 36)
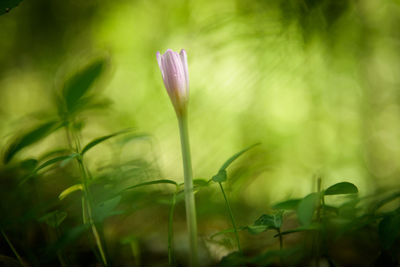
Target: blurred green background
(315, 81)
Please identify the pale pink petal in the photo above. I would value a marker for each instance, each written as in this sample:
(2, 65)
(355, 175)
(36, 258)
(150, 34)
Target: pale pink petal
(174, 69)
(159, 59)
(183, 57)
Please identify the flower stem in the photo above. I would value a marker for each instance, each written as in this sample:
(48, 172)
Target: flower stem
(189, 194)
(171, 256)
(231, 216)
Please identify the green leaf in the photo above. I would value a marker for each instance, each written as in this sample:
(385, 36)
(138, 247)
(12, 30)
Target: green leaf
(385, 200)
(36, 134)
(226, 231)
(162, 181)
(53, 219)
(234, 157)
(200, 182)
(221, 176)
(77, 86)
(100, 140)
(28, 164)
(290, 204)
(70, 190)
(52, 153)
(63, 159)
(306, 208)
(7, 5)
(133, 137)
(257, 229)
(106, 209)
(273, 221)
(341, 188)
(389, 230)
(266, 222)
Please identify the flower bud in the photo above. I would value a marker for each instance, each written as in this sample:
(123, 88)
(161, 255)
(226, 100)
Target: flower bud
(174, 70)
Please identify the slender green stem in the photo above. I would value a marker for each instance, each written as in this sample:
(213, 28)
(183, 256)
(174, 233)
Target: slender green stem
(231, 216)
(86, 198)
(189, 194)
(84, 218)
(90, 215)
(171, 255)
(13, 248)
(320, 199)
(319, 207)
(280, 238)
(280, 245)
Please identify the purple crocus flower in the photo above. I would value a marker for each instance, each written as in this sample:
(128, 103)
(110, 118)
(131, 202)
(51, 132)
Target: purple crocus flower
(174, 70)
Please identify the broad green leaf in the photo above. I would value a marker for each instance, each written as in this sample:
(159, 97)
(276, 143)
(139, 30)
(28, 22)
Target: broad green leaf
(53, 219)
(52, 161)
(7, 5)
(341, 188)
(273, 221)
(29, 138)
(389, 229)
(70, 190)
(221, 176)
(100, 140)
(106, 209)
(162, 181)
(234, 157)
(306, 208)
(290, 204)
(77, 86)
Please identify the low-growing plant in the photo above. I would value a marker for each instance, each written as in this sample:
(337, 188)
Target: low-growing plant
(73, 212)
